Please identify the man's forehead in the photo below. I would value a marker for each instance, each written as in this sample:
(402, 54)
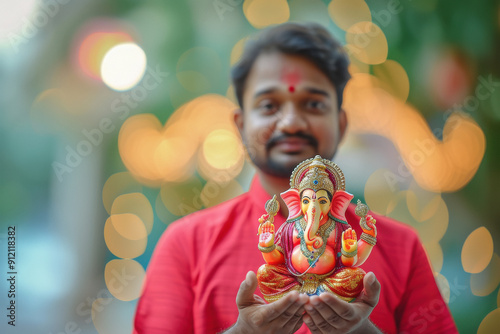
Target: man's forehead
(278, 70)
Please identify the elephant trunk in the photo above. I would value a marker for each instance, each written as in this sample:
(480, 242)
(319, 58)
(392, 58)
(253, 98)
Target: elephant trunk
(313, 216)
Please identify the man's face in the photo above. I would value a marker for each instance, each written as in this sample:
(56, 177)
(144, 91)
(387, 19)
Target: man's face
(290, 113)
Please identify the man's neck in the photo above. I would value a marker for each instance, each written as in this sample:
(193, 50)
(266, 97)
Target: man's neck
(275, 185)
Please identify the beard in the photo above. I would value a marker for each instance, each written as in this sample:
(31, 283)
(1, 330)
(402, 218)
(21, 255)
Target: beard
(269, 165)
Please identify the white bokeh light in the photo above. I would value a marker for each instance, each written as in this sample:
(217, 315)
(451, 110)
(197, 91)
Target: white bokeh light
(123, 66)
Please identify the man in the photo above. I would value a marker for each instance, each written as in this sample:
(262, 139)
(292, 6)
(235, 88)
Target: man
(289, 85)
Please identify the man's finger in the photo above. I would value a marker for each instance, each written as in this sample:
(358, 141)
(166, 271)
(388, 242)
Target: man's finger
(310, 319)
(336, 310)
(329, 317)
(245, 295)
(293, 314)
(371, 291)
(278, 308)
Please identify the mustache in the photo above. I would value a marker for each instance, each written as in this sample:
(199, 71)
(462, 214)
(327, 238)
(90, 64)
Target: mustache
(274, 140)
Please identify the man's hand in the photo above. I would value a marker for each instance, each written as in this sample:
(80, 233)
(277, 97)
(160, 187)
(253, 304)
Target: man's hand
(256, 316)
(329, 314)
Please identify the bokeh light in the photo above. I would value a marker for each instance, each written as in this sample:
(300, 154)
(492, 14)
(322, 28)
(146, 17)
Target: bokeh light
(380, 189)
(155, 154)
(125, 235)
(422, 203)
(137, 204)
(393, 78)
(222, 149)
(346, 13)
(477, 250)
(437, 166)
(116, 185)
(237, 50)
(263, 13)
(124, 278)
(123, 66)
(94, 40)
(485, 282)
(367, 42)
(491, 323)
(182, 198)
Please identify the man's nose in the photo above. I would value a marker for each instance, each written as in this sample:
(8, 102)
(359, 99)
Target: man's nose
(291, 120)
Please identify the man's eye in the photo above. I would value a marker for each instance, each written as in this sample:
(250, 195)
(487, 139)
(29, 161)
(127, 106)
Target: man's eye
(269, 107)
(315, 105)
(305, 201)
(322, 201)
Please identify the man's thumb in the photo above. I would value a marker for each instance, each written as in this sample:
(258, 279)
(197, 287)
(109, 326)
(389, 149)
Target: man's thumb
(247, 288)
(371, 292)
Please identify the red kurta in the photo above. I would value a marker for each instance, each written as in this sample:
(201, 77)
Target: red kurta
(200, 261)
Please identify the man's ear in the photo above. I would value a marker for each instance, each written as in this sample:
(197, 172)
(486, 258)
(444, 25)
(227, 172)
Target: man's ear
(342, 123)
(238, 119)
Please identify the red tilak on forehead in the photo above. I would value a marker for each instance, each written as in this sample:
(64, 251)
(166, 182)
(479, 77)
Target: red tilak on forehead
(291, 77)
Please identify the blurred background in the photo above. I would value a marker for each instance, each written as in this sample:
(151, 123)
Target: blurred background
(116, 120)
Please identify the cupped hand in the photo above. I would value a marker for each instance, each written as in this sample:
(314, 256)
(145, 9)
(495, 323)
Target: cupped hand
(256, 316)
(327, 313)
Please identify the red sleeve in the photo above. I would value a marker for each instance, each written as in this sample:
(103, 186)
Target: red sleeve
(423, 309)
(166, 303)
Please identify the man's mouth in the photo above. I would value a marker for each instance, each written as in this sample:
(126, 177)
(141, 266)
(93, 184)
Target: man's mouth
(292, 144)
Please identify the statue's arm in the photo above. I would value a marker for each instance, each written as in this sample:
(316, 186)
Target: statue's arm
(368, 239)
(266, 241)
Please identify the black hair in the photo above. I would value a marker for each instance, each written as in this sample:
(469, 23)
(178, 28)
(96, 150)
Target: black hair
(311, 41)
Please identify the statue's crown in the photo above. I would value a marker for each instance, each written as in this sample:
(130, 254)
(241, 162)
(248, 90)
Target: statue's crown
(317, 173)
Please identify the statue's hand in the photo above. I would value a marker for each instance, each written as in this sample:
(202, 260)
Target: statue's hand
(266, 232)
(349, 241)
(369, 227)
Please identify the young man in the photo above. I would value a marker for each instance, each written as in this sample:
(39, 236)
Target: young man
(289, 84)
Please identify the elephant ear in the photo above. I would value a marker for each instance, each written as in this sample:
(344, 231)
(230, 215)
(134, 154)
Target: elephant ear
(292, 201)
(340, 202)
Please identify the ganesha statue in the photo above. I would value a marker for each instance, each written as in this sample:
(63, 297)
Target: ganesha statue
(315, 250)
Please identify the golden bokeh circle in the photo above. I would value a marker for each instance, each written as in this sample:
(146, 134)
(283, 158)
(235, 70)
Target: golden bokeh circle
(263, 13)
(346, 13)
(367, 42)
(116, 185)
(125, 235)
(137, 204)
(222, 149)
(485, 282)
(422, 203)
(237, 51)
(124, 278)
(380, 188)
(490, 323)
(477, 250)
(394, 78)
